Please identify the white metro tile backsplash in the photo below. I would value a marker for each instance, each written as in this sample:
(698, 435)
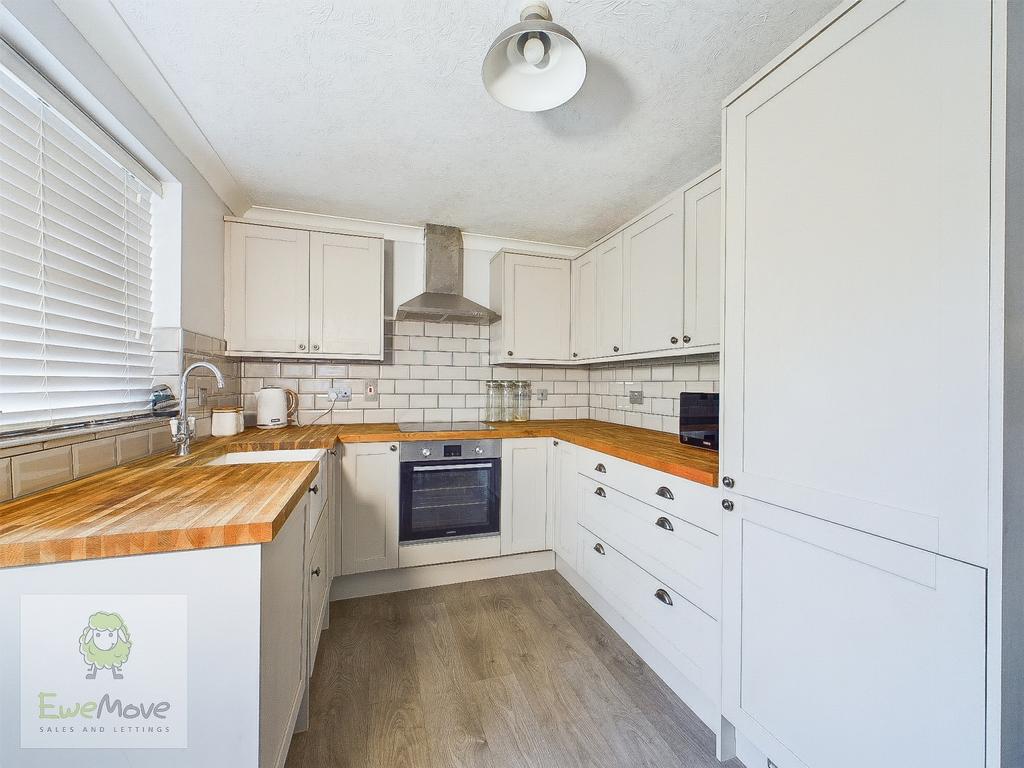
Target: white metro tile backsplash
(437, 372)
(430, 372)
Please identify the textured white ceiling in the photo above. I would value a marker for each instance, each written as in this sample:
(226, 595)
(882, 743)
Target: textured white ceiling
(374, 108)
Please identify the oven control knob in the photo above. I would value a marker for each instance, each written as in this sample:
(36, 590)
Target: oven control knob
(479, 449)
(425, 451)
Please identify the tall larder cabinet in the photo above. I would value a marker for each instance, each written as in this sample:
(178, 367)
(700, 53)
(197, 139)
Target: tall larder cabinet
(869, 257)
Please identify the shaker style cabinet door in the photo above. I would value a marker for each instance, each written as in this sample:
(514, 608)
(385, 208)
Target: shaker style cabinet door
(609, 297)
(702, 206)
(346, 289)
(845, 650)
(585, 317)
(267, 289)
(536, 314)
(652, 252)
(369, 507)
(857, 268)
(524, 495)
(565, 499)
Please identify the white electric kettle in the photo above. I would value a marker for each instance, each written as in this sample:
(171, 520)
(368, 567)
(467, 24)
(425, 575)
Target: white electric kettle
(274, 407)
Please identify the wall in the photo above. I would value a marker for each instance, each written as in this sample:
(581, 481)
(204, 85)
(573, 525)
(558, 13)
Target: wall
(661, 381)
(431, 372)
(199, 259)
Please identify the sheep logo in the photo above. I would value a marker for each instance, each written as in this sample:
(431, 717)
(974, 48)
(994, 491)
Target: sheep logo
(105, 644)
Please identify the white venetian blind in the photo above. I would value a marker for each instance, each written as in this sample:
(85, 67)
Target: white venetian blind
(75, 273)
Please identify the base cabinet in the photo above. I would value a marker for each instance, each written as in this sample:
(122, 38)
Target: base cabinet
(564, 507)
(524, 502)
(843, 649)
(369, 507)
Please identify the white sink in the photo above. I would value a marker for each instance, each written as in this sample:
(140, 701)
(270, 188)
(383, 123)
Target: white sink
(267, 457)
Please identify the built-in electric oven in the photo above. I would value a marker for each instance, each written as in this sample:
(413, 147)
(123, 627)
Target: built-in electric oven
(449, 489)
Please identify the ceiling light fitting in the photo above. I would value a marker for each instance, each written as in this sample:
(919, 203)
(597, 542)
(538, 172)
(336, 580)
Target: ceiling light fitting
(534, 65)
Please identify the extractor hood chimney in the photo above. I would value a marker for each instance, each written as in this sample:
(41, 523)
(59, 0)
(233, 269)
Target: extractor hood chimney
(442, 301)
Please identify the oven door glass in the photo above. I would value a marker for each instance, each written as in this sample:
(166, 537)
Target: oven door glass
(446, 499)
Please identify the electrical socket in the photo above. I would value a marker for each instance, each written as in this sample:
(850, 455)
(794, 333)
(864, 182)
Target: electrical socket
(342, 393)
(370, 393)
(636, 397)
(203, 394)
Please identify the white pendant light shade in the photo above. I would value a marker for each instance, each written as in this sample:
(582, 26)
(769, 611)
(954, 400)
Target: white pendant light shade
(534, 65)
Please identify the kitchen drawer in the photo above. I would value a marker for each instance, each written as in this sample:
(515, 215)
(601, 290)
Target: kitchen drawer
(696, 503)
(684, 634)
(319, 586)
(685, 557)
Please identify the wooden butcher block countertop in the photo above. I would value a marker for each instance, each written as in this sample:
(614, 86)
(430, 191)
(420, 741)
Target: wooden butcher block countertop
(162, 504)
(658, 450)
(166, 504)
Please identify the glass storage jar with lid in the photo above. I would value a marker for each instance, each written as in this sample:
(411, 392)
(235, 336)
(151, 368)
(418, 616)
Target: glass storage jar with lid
(507, 401)
(493, 404)
(521, 400)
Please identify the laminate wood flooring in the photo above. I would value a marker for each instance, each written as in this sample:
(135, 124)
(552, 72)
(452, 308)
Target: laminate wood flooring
(504, 673)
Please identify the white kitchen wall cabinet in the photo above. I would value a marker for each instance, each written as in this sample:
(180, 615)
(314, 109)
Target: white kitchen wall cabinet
(294, 293)
(565, 500)
(652, 252)
(533, 295)
(845, 301)
(346, 295)
(609, 296)
(585, 316)
(267, 287)
(524, 492)
(369, 507)
(702, 308)
(852, 650)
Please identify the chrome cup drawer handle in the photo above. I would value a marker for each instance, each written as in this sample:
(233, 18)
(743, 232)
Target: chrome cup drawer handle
(664, 596)
(665, 493)
(599, 549)
(600, 492)
(600, 468)
(664, 522)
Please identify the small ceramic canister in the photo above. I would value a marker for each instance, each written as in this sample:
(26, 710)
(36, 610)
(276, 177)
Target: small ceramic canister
(226, 421)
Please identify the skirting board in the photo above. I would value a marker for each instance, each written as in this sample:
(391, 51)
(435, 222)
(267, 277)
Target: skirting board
(402, 579)
(706, 709)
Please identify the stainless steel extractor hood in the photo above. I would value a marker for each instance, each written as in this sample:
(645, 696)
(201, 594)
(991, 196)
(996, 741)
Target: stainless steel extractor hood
(442, 301)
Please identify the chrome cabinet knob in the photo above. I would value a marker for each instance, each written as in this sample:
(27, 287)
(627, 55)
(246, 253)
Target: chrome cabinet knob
(316, 347)
(394, 447)
(302, 346)
(727, 505)
(478, 449)
(686, 339)
(674, 340)
(599, 549)
(509, 353)
(425, 451)
(664, 522)
(314, 489)
(574, 354)
(315, 571)
(728, 482)
(615, 349)
(664, 596)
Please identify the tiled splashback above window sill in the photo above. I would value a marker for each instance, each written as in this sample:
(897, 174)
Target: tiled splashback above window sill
(34, 466)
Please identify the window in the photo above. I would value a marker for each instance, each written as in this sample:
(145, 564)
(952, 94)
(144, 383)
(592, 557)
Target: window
(75, 273)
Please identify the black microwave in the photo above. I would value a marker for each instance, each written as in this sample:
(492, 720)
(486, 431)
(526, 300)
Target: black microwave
(698, 419)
